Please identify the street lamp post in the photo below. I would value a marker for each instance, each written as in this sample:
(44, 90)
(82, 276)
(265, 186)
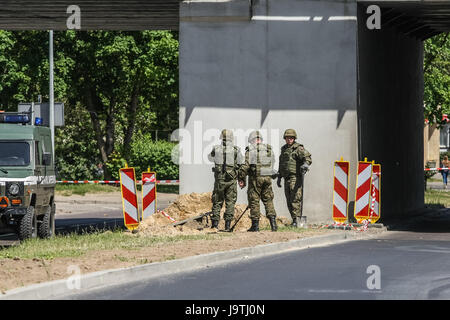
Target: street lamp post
(51, 96)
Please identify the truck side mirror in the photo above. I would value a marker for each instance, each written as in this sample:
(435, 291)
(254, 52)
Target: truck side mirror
(47, 159)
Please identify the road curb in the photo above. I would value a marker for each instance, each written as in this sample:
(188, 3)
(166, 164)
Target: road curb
(60, 288)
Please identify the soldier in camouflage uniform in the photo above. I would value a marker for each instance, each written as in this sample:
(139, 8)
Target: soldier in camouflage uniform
(227, 159)
(258, 165)
(294, 163)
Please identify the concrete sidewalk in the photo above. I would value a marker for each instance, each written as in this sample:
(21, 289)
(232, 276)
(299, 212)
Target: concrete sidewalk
(77, 204)
(434, 185)
(61, 288)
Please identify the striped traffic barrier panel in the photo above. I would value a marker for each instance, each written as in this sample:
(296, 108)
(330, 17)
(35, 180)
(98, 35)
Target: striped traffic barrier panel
(375, 193)
(340, 191)
(362, 197)
(129, 198)
(148, 194)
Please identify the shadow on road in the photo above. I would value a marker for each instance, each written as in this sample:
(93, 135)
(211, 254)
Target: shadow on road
(88, 225)
(435, 220)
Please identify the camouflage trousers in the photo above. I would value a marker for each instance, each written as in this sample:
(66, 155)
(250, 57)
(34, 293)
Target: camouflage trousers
(260, 188)
(224, 192)
(293, 190)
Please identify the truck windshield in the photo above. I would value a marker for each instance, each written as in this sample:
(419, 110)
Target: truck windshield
(14, 153)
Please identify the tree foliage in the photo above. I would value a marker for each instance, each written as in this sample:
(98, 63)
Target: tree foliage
(115, 86)
(437, 78)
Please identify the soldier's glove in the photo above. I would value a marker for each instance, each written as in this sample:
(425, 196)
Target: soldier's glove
(304, 168)
(279, 182)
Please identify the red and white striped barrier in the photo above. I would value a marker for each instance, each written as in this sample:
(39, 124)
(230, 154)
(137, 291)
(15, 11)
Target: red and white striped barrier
(89, 181)
(113, 181)
(340, 191)
(375, 194)
(338, 225)
(363, 184)
(436, 169)
(365, 225)
(129, 198)
(362, 228)
(167, 216)
(148, 194)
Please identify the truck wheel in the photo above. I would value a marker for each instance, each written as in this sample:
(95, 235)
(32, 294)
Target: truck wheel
(27, 228)
(46, 228)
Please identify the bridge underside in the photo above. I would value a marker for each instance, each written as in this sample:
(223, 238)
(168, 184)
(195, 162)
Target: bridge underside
(95, 14)
(418, 19)
(390, 96)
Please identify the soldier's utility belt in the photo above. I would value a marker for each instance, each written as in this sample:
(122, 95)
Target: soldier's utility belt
(226, 176)
(261, 172)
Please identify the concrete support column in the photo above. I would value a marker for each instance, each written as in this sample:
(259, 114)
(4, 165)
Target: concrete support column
(269, 65)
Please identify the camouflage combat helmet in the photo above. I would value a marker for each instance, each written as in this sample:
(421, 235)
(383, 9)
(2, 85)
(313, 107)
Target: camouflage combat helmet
(290, 133)
(226, 135)
(254, 135)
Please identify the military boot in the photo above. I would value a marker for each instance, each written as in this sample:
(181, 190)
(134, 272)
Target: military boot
(273, 223)
(254, 227)
(214, 224)
(228, 225)
(294, 222)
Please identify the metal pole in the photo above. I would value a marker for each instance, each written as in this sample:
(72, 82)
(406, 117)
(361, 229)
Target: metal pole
(51, 96)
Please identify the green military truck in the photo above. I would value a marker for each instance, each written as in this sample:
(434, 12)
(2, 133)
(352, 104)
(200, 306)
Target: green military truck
(27, 176)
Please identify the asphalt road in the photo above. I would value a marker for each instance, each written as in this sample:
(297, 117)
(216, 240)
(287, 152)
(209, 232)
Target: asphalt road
(407, 269)
(411, 262)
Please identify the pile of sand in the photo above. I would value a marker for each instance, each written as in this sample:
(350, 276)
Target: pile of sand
(194, 204)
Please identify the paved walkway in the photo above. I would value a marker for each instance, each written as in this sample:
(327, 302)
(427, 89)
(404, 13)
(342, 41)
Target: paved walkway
(104, 202)
(434, 185)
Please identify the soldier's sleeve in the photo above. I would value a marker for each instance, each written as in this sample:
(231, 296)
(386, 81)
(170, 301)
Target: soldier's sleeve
(304, 156)
(212, 155)
(244, 167)
(279, 161)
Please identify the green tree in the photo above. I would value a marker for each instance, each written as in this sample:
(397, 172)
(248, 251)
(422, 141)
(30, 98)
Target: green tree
(115, 86)
(128, 83)
(437, 78)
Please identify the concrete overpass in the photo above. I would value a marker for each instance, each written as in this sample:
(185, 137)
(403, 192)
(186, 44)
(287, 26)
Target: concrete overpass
(311, 65)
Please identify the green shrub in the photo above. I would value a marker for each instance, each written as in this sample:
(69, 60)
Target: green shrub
(156, 155)
(115, 162)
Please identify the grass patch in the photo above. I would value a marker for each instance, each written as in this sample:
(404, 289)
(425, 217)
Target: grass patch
(437, 198)
(167, 188)
(282, 228)
(82, 189)
(76, 245)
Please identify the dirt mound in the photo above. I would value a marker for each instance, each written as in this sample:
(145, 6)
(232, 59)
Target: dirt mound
(194, 204)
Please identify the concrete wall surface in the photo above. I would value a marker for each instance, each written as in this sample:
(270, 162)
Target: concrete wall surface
(431, 143)
(269, 65)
